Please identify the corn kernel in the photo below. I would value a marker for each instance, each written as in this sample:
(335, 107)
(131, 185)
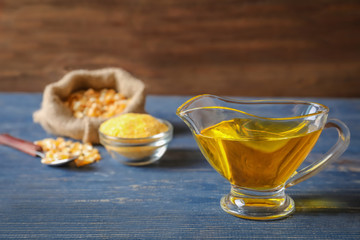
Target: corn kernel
(104, 103)
(56, 149)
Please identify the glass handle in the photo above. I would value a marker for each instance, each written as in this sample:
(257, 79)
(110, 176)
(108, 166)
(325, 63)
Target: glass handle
(336, 150)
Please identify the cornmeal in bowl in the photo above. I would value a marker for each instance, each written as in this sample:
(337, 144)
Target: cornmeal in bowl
(135, 139)
(133, 125)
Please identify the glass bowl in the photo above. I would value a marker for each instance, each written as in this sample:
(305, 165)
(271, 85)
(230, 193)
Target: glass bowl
(138, 151)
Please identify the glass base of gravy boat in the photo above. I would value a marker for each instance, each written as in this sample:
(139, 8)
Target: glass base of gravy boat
(257, 205)
(258, 147)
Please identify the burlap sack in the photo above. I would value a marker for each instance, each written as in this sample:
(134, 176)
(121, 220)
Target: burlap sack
(58, 119)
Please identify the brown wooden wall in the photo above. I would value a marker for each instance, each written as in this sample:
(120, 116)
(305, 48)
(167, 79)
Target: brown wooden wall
(225, 47)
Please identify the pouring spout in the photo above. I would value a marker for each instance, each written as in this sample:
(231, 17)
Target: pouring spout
(190, 112)
(187, 119)
(203, 111)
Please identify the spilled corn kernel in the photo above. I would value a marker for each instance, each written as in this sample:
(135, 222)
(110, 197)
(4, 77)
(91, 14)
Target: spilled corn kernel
(57, 149)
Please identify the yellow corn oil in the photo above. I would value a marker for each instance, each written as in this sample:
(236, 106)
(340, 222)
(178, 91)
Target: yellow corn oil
(257, 154)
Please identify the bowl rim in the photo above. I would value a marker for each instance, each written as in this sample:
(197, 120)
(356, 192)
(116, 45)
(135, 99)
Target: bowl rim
(153, 137)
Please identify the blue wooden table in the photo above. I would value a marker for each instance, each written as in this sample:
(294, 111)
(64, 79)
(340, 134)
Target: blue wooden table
(175, 198)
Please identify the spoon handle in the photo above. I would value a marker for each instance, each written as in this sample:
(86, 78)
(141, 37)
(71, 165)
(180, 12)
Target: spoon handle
(20, 144)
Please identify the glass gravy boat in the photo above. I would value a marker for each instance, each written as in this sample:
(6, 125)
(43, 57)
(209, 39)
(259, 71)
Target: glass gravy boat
(258, 146)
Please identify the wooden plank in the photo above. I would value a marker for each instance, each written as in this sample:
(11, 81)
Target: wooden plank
(241, 48)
